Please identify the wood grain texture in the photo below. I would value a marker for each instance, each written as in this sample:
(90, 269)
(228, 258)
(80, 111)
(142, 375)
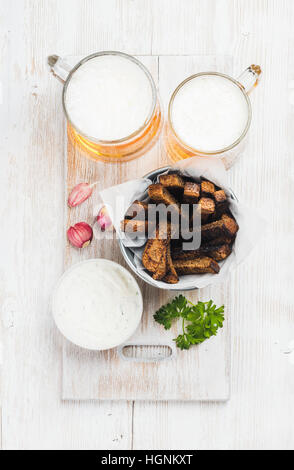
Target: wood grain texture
(105, 375)
(260, 413)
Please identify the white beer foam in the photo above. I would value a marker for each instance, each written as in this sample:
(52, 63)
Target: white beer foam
(109, 97)
(209, 113)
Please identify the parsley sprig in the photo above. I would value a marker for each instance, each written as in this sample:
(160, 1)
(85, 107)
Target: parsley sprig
(199, 321)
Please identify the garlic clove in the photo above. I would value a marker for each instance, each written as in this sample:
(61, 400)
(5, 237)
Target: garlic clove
(79, 194)
(104, 219)
(80, 235)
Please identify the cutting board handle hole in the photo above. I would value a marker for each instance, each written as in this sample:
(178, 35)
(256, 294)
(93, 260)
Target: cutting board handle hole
(146, 352)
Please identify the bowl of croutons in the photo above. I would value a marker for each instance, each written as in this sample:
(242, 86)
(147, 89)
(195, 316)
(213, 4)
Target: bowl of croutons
(194, 240)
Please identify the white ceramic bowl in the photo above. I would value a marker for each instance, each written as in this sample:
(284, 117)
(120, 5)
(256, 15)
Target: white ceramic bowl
(118, 322)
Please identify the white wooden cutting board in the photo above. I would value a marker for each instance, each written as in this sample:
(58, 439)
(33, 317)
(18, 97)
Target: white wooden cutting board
(203, 372)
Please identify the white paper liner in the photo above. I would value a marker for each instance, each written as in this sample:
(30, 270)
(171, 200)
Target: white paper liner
(251, 225)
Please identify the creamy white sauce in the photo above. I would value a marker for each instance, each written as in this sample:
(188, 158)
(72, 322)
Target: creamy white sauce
(209, 113)
(97, 304)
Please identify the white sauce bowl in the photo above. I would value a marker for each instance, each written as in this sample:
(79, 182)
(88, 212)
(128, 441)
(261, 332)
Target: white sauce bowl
(97, 304)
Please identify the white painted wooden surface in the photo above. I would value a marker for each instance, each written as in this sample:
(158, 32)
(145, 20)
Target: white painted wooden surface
(191, 376)
(260, 413)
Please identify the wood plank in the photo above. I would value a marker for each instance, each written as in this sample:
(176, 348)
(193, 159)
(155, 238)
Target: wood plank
(107, 375)
(260, 413)
(32, 195)
(4, 53)
(97, 25)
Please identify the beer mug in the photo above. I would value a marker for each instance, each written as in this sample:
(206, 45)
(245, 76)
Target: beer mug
(209, 114)
(111, 105)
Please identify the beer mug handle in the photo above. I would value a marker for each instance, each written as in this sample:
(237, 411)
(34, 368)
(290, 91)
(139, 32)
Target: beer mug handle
(59, 67)
(249, 79)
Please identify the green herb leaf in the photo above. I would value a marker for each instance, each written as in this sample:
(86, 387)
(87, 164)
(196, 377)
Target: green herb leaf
(182, 342)
(169, 312)
(199, 321)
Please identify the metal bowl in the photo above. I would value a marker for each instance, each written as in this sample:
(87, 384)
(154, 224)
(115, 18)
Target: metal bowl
(129, 255)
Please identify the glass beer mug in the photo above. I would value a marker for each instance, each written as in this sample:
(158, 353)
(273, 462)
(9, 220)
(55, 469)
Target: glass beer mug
(209, 115)
(111, 105)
